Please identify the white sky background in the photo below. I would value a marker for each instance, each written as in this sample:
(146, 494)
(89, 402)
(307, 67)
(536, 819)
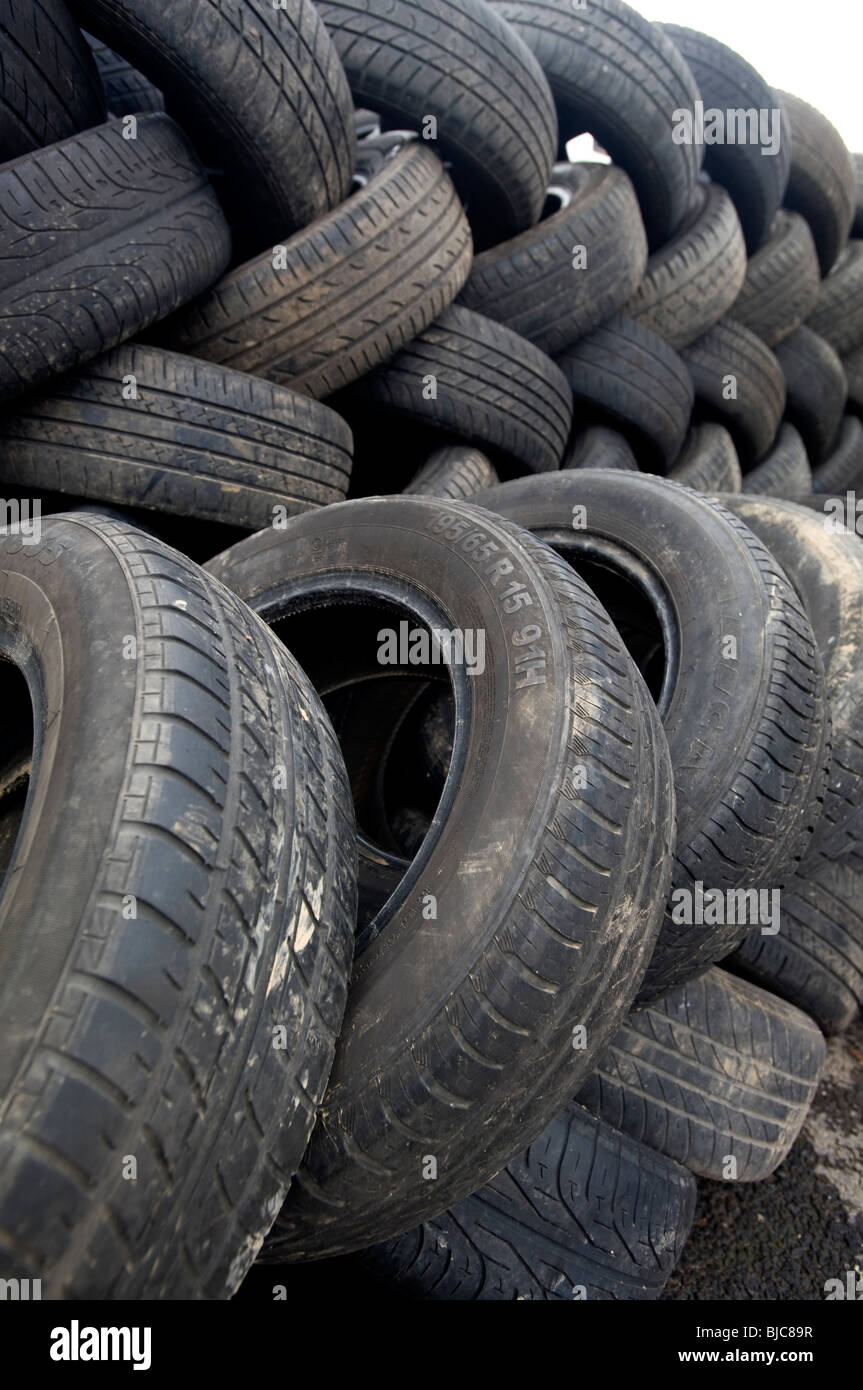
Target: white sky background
(813, 48)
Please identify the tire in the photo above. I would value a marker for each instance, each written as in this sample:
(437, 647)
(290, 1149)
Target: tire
(754, 417)
(838, 314)
(460, 63)
(816, 961)
(857, 227)
(121, 233)
(679, 574)
(49, 86)
(718, 1070)
(126, 90)
(487, 1059)
(822, 185)
(454, 473)
(708, 461)
(531, 283)
(349, 291)
(844, 467)
(783, 281)
(259, 90)
(493, 389)
(637, 381)
(616, 75)
(826, 569)
(816, 388)
(692, 282)
(784, 472)
(852, 365)
(196, 441)
(582, 1213)
(727, 82)
(599, 447)
(140, 1021)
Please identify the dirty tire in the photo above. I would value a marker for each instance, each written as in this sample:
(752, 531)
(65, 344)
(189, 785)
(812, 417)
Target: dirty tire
(196, 440)
(226, 67)
(49, 86)
(486, 1059)
(746, 795)
(126, 90)
(692, 281)
(459, 62)
(826, 568)
(635, 379)
(727, 82)
(783, 281)
(816, 388)
(111, 1051)
(708, 461)
(718, 1070)
(494, 390)
(816, 960)
(454, 472)
(356, 285)
(838, 313)
(583, 1212)
(822, 185)
(616, 75)
(121, 233)
(531, 284)
(844, 467)
(752, 419)
(784, 472)
(599, 447)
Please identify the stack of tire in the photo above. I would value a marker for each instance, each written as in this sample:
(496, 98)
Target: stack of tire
(365, 862)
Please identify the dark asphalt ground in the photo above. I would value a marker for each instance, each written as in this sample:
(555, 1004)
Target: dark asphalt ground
(784, 1237)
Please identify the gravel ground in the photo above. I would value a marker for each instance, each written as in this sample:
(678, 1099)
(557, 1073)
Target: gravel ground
(784, 1237)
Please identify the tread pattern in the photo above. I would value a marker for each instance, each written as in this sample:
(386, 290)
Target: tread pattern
(49, 86)
(816, 389)
(176, 1064)
(754, 414)
(584, 1212)
(785, 471)
(838, 312)
(783, 281)
(719, 1069)
(125, 89)
(692, 281)
(119, 233)
(456, 60)
(599, 447)
(822, 185)
(844, 467)
(355, 287)
(708, 461)
(453, 472)
(196, 440)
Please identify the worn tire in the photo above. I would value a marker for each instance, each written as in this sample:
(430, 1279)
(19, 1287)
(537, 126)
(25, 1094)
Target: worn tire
(757, 183)
(493, 389)
(458, 62)
(749, 756)
(838, 313)
(126, 90)
(463, 1033)
(583, 1213)
(826, 569)
(616, 75)
(784, 472)
(822, 185)
(718, 1070)
(452, 472)
(816, 389)
(120, 233)
(598, 447)
(692, 281)
(627, 373)
(140, 1019)
(783, 281)
(708, 461)
(356, 285)
(49, 86)
(531, 284)
(752, 419)
(844, 467)
(259, 90)
(816, 961)
(196, 440)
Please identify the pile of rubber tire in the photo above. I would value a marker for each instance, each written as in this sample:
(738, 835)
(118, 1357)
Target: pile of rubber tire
(368, 864)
